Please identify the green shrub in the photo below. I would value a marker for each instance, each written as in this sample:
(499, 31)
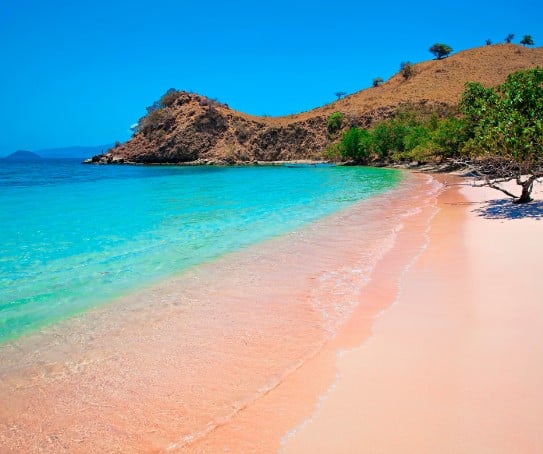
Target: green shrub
(527, 40)
(416, 136)
(355, 144)
(449, 137)
(334, 122)
(388, 138)
(377, 81)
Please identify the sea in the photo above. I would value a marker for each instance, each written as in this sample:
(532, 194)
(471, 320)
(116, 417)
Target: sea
(77, 236)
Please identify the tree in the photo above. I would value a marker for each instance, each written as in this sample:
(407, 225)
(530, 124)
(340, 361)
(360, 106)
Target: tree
(488, 42)
(377, 81)
(440, 50)
(509, 38)
(505, 127)
(527, 41)
(406, 69)
(388, 138)
(355, 144)
(340, 94)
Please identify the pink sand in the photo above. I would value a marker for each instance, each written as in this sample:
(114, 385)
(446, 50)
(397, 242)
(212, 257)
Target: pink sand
(436, 311)
(456, 365)
(216, 359)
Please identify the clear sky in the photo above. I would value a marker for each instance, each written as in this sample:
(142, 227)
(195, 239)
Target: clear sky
(79, 72)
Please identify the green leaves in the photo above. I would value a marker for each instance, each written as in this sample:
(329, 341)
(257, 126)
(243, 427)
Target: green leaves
(355, 144)
(334, 122)
(527, 40)
(440, 50)
(507, 121)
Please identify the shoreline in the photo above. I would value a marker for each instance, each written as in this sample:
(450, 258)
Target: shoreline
(293, 325)
(454, 365)
(140, 374)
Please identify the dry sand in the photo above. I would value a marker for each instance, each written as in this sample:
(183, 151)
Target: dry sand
(456, 364)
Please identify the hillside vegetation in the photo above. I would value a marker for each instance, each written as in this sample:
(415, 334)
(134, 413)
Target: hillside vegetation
(185, 127)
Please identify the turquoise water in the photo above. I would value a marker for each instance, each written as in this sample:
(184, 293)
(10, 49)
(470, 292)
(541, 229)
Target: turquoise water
(74, 236)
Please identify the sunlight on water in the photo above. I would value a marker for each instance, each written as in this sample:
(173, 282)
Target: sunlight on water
(74, 236)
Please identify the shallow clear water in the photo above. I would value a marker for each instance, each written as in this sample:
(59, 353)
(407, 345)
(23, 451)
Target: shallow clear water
(73, 236)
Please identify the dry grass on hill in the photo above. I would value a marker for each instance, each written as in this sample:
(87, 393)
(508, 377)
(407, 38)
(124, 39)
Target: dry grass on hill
(194, 130)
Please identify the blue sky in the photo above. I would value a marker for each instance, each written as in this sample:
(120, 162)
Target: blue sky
(81, 72)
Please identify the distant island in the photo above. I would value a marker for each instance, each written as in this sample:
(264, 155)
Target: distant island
(73, 152)
(23, 155)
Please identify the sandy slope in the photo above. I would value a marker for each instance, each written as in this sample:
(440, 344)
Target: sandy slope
(456, 364)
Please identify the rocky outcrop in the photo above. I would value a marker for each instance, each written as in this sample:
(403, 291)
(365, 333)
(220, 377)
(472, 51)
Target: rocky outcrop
(195, 128)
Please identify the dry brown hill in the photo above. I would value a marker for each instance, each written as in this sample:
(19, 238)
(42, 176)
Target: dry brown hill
(195, 128)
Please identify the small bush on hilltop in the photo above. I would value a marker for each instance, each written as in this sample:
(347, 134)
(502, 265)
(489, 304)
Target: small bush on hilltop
(168, 99)
(377, 81)
(509, 38)
(406, 69)
(440, 50)
(334, 122)
(527, 41)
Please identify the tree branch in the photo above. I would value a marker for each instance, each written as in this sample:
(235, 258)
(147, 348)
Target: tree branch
(493, 185)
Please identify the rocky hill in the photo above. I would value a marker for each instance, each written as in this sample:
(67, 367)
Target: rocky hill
(196, 129)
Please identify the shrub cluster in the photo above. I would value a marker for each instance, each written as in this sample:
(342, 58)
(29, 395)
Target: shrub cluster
(502, 122)
(411, 135)
(406, 69)
(168, 99)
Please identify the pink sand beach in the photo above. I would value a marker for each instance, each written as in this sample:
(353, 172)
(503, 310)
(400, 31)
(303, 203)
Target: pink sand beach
(411, 322)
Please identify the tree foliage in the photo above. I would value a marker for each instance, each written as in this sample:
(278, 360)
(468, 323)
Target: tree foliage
(410, 135)
(334, 122)
(505, 126)
(527, 40)
(498, 132)
(440, 50)
(355, 144)
(509, 38)
(377, 81)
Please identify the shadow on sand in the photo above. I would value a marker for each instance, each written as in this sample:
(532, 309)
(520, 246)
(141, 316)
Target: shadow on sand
(506, 209)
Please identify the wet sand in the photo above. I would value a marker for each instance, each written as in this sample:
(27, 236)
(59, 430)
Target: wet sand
(456, 364)
(228, 356)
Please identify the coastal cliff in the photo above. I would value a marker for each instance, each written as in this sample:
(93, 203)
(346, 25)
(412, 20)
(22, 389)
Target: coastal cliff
(195, 129)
